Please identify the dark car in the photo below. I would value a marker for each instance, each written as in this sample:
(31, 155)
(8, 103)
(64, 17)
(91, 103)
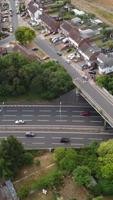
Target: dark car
(59, 53)
(84, 66)
(85, 113)
(65, 140)
(29, 134)
(35, 49)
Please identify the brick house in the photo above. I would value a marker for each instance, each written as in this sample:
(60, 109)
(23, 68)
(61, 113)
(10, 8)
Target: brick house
(49, 22)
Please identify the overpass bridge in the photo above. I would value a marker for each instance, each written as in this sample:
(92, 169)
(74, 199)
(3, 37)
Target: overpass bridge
(101, 102)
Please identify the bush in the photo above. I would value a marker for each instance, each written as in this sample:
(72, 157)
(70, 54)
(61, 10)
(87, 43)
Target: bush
(37, 162)
(28, 158)
(23, 192)
(52, 179)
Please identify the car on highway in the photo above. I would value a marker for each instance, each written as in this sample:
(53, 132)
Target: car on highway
(29, 134)
(65, 140)
(85, 113)
(20, 122)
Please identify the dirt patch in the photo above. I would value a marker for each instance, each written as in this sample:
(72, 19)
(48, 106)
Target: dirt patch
(30, 173)
(72, 190)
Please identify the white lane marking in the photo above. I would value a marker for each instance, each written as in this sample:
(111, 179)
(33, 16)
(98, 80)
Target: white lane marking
(77, 120)
(56, 143)
(27, 110)
(23, 143)
(42, 120)
(61, 115)
(27, 115)
(11, 110)
(45, 110)
(8, 120)
(47, 106)
(62, 110)
(56, 137)
(61, 120)
(79, 144)
(44, 115)
(28, 120)
(35, 143)
(39, 137)
(95, 138)
(96, 121)
(9, 115)
(77, 138)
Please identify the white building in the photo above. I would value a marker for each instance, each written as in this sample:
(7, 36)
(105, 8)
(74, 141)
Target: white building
(105, 63)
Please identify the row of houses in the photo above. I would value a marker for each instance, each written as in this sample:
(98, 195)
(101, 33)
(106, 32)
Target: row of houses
(80, 39)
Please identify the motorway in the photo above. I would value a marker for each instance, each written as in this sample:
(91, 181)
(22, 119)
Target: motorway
(50, 115)
(51, 139)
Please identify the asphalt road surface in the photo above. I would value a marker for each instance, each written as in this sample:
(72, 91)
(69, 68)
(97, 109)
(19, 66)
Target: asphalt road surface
(50, 115)
(14, 15)
(51, 139)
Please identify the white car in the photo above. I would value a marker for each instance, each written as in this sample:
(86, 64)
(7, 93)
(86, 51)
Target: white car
(20, 122)
(29, 134)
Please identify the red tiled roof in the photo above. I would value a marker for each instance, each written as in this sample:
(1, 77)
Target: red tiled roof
(50, 22)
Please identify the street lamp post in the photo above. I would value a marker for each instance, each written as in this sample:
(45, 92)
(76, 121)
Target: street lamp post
(60, 109)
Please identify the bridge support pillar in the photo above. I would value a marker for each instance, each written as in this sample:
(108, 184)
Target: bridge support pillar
(105, 125)
(77, 92)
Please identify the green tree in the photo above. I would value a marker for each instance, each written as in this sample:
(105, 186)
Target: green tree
(24, 35)
(82, 175)
(12, 157)
(98, 198)
(105, 151)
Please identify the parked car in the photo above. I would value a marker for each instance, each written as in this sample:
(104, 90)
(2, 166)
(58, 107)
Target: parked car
(59, 53)
(84, 66)
(85, 113)
(29, 134)
(65, 140)
(20, 122)
(35, 49)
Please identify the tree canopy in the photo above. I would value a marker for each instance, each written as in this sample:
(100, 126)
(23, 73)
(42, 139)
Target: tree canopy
(24, 35)
(82, 175)
(105, 158)
(106, 82)
(18, 76)
(66, 159)
(12, 157)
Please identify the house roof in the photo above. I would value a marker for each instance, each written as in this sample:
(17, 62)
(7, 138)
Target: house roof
(67, 26)
(50, 22)
(26, 52)
(89, 49)
(33, 7)
(75, 35)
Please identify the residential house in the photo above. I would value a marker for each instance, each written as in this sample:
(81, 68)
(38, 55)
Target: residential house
(26, 52)
(34, 10)
(89, 51)
(105, 63)
(72, 33)
(49, 22)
